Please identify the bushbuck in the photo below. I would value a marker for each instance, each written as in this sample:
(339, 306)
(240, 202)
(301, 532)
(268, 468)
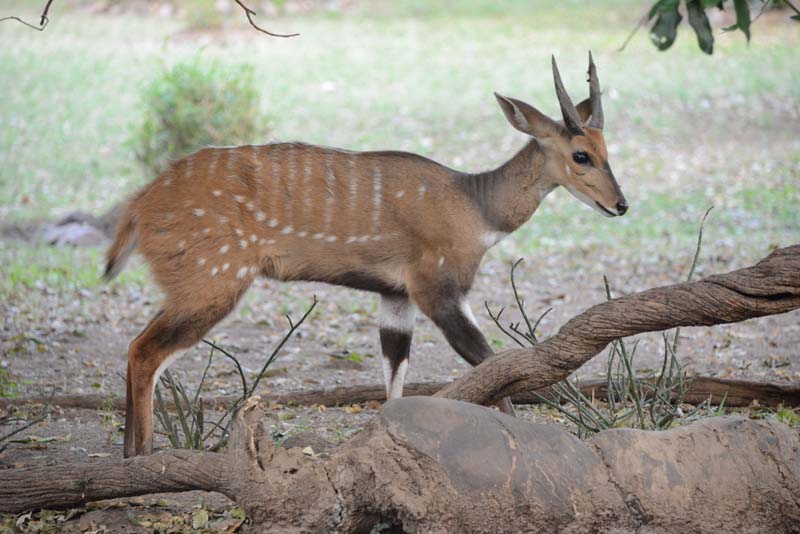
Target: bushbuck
(393, 223)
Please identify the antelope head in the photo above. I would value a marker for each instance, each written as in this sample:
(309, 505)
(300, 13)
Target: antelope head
(576, 155)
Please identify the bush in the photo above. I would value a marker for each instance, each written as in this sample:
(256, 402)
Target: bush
(195, 104)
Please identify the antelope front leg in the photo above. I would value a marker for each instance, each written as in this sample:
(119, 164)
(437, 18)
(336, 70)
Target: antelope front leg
(455, 319)
(396, 328)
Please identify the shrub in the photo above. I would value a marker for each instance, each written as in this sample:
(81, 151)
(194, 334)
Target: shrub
(195, 104)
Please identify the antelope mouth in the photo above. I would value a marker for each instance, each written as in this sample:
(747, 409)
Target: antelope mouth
(607, 212)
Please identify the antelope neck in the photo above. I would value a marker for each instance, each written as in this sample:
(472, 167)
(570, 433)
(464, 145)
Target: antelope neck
(509, 195)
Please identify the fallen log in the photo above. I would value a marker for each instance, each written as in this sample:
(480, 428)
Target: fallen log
(735, 392)
(435, 465)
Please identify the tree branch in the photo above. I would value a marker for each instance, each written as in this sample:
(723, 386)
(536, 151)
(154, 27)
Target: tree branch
(770, 287)
(42, 21)
(250, 14)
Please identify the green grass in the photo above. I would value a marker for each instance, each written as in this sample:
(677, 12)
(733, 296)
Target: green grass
(685, 130)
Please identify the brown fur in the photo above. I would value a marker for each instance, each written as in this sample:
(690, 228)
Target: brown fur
(391, 222)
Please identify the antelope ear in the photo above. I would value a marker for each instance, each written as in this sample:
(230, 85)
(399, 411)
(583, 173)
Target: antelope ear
(528, 119)
(585, 111)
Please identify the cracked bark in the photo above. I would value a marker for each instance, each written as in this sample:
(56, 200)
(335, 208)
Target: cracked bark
(437, 465)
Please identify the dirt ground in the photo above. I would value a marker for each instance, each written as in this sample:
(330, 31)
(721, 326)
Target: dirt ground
(77, 344)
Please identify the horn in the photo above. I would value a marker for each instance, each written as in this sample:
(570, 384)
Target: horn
(594, 97)
(571, 119)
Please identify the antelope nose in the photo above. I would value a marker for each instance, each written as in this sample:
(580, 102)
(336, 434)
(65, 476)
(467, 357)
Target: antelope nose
(622, 207)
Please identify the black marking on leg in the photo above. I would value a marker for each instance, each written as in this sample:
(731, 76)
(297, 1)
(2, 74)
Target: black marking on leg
(462, 334)
(396, 346)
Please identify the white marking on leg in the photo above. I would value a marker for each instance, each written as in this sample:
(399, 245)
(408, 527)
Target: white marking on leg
(397, 313)
(466, 309)
(394, 381)
(490, 239)
(166, 363)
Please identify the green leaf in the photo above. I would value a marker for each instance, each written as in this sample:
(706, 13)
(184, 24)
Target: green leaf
(701, 26)
(665, 28)
(743, 16)
(662, 6)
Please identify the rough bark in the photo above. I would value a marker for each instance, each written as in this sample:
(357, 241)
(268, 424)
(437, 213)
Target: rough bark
(437, 465)
(737, 393)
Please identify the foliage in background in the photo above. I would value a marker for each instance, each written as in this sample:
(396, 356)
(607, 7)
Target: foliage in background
(188, 428)
(650, 402)
(194, 104)
(665, 18)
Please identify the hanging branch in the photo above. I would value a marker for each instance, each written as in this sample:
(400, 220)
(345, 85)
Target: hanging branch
(42, 21)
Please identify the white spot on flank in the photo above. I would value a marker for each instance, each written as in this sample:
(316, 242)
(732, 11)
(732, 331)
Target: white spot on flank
(441, 261)
(287, 230)
(262, 242)
(318, 235)
(223, 219)
(351, 239)
(243, 244)
(253, 269)
(250, 206)
(377, 237)
(199, 212)
(181, 244)
(363, 238)
(302, 234)
(253, 238)
(214, 271)
(400, 193)
(238, 198)
(330, 238)
(238, 232)
(241, 272)
(224, 248)
(225, 267)
(271, 242)
(201, 262)
(421, 191)
(206, 231)
(260, 216)
(273, 223)
(216, 192)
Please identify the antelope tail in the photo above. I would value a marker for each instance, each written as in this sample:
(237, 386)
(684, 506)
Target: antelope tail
(124, 243)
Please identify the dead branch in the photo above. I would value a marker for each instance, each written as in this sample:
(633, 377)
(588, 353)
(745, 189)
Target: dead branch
(770, 287)
(736, 393)
(248, 12)
(42, 21)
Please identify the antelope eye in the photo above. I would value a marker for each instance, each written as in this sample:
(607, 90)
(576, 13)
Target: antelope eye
(581, 158)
